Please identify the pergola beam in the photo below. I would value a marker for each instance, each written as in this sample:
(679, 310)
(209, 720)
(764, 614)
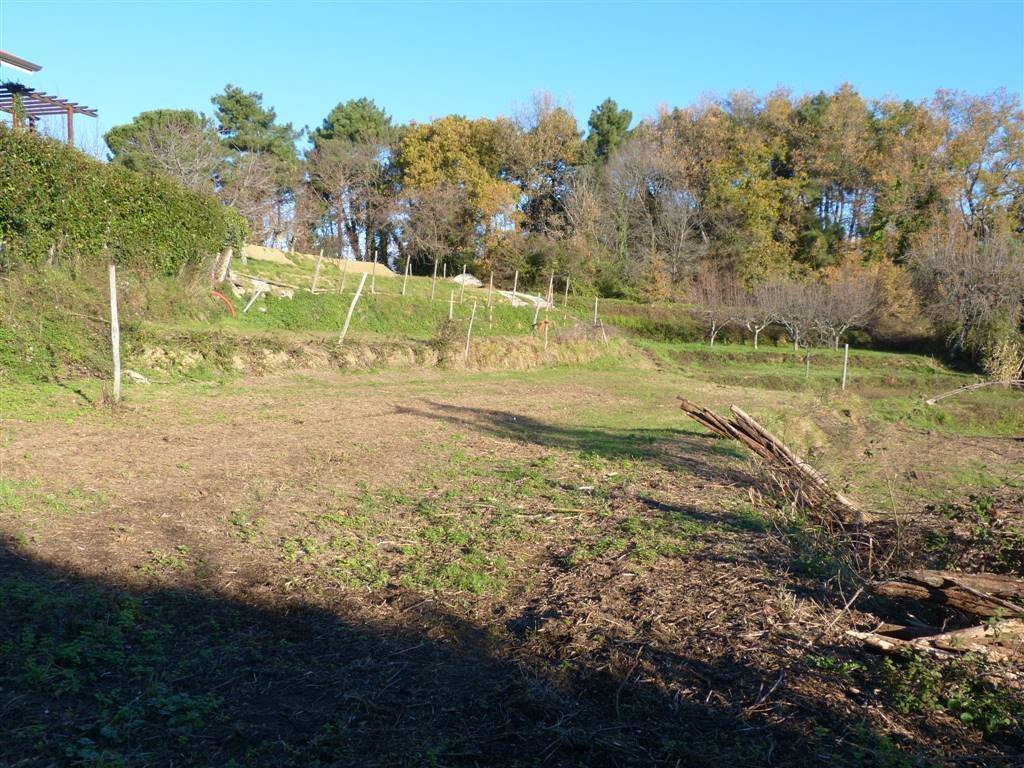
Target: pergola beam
(34, 104)
(16, 62)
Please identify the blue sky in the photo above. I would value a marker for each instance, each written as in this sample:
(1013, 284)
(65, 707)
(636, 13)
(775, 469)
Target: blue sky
(423, 60)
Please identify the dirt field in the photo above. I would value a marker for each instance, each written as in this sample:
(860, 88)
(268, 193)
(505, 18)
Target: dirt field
(425, 568)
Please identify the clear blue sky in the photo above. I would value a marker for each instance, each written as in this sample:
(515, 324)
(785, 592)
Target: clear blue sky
(422, 60)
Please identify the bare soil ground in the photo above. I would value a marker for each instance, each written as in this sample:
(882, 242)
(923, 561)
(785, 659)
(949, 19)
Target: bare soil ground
(427, 568)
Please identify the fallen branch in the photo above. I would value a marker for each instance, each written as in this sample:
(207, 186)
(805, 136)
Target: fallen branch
(891, 645)
(998, 641)
(979, 594)
(970, 387)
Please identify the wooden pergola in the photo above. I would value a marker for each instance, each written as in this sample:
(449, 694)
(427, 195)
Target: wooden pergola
(21, 101)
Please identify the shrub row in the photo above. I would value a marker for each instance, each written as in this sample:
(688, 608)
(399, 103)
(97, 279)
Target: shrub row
(57, 203)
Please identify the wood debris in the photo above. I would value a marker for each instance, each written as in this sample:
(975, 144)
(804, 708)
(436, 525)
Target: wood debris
(996, 598)
(979, 594)
(996, 641)
(776, 454)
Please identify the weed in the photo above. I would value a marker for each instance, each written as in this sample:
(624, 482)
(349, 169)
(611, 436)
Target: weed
(245, 525)
(960, 687)
(160, 560)
(843, 668)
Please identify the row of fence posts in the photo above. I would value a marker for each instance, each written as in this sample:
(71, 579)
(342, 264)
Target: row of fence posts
(407, 272)
(115, 328)
(598, 322)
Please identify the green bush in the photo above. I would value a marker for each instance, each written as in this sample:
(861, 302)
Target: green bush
(58, 204)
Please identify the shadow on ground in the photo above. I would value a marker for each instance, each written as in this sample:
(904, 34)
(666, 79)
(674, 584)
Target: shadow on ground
(93, 673)
(677, 449)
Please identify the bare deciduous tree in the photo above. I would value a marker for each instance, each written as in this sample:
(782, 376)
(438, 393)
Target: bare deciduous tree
(180, 144)
(352, 179)
(791, 304)
(583, 203)
(432, 219)
(757, 309)
(249, 184)
(188, 153)
(967, 283)
(647, 213)
(718, 299)
(844, 301)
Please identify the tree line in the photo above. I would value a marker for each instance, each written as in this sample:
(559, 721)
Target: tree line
(914, 208)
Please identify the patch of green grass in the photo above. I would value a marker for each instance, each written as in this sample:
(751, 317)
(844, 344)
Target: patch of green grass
(1000, 539)
(54, 321)
(639, 539)
(161, 561)
(38, 402)
(358, 565)
(458, 530)
(871, 373)
(106, 655)
(473, 571)
(297, 548)
(386, 314)
(17, 498)
(13, 496)
(985, 412)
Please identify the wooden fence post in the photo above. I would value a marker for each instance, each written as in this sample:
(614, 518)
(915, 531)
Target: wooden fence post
(344, 273)
(352, 308)
(462, 288)
(115, 331)
(595, 310)
(316, 271)
(515, 286)
(547, 322)
(451, 305)
(253, 300)
(405, 280)
(433, 281)
(565, 299)
(469, 331)
(373, 278)
(490, 290)
(551, 290)
(846, 362)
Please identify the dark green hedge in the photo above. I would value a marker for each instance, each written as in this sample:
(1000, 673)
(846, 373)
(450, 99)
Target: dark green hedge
(55, 197)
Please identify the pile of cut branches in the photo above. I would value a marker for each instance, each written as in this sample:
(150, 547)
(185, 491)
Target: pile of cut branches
(790, 469)
(998, 600)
